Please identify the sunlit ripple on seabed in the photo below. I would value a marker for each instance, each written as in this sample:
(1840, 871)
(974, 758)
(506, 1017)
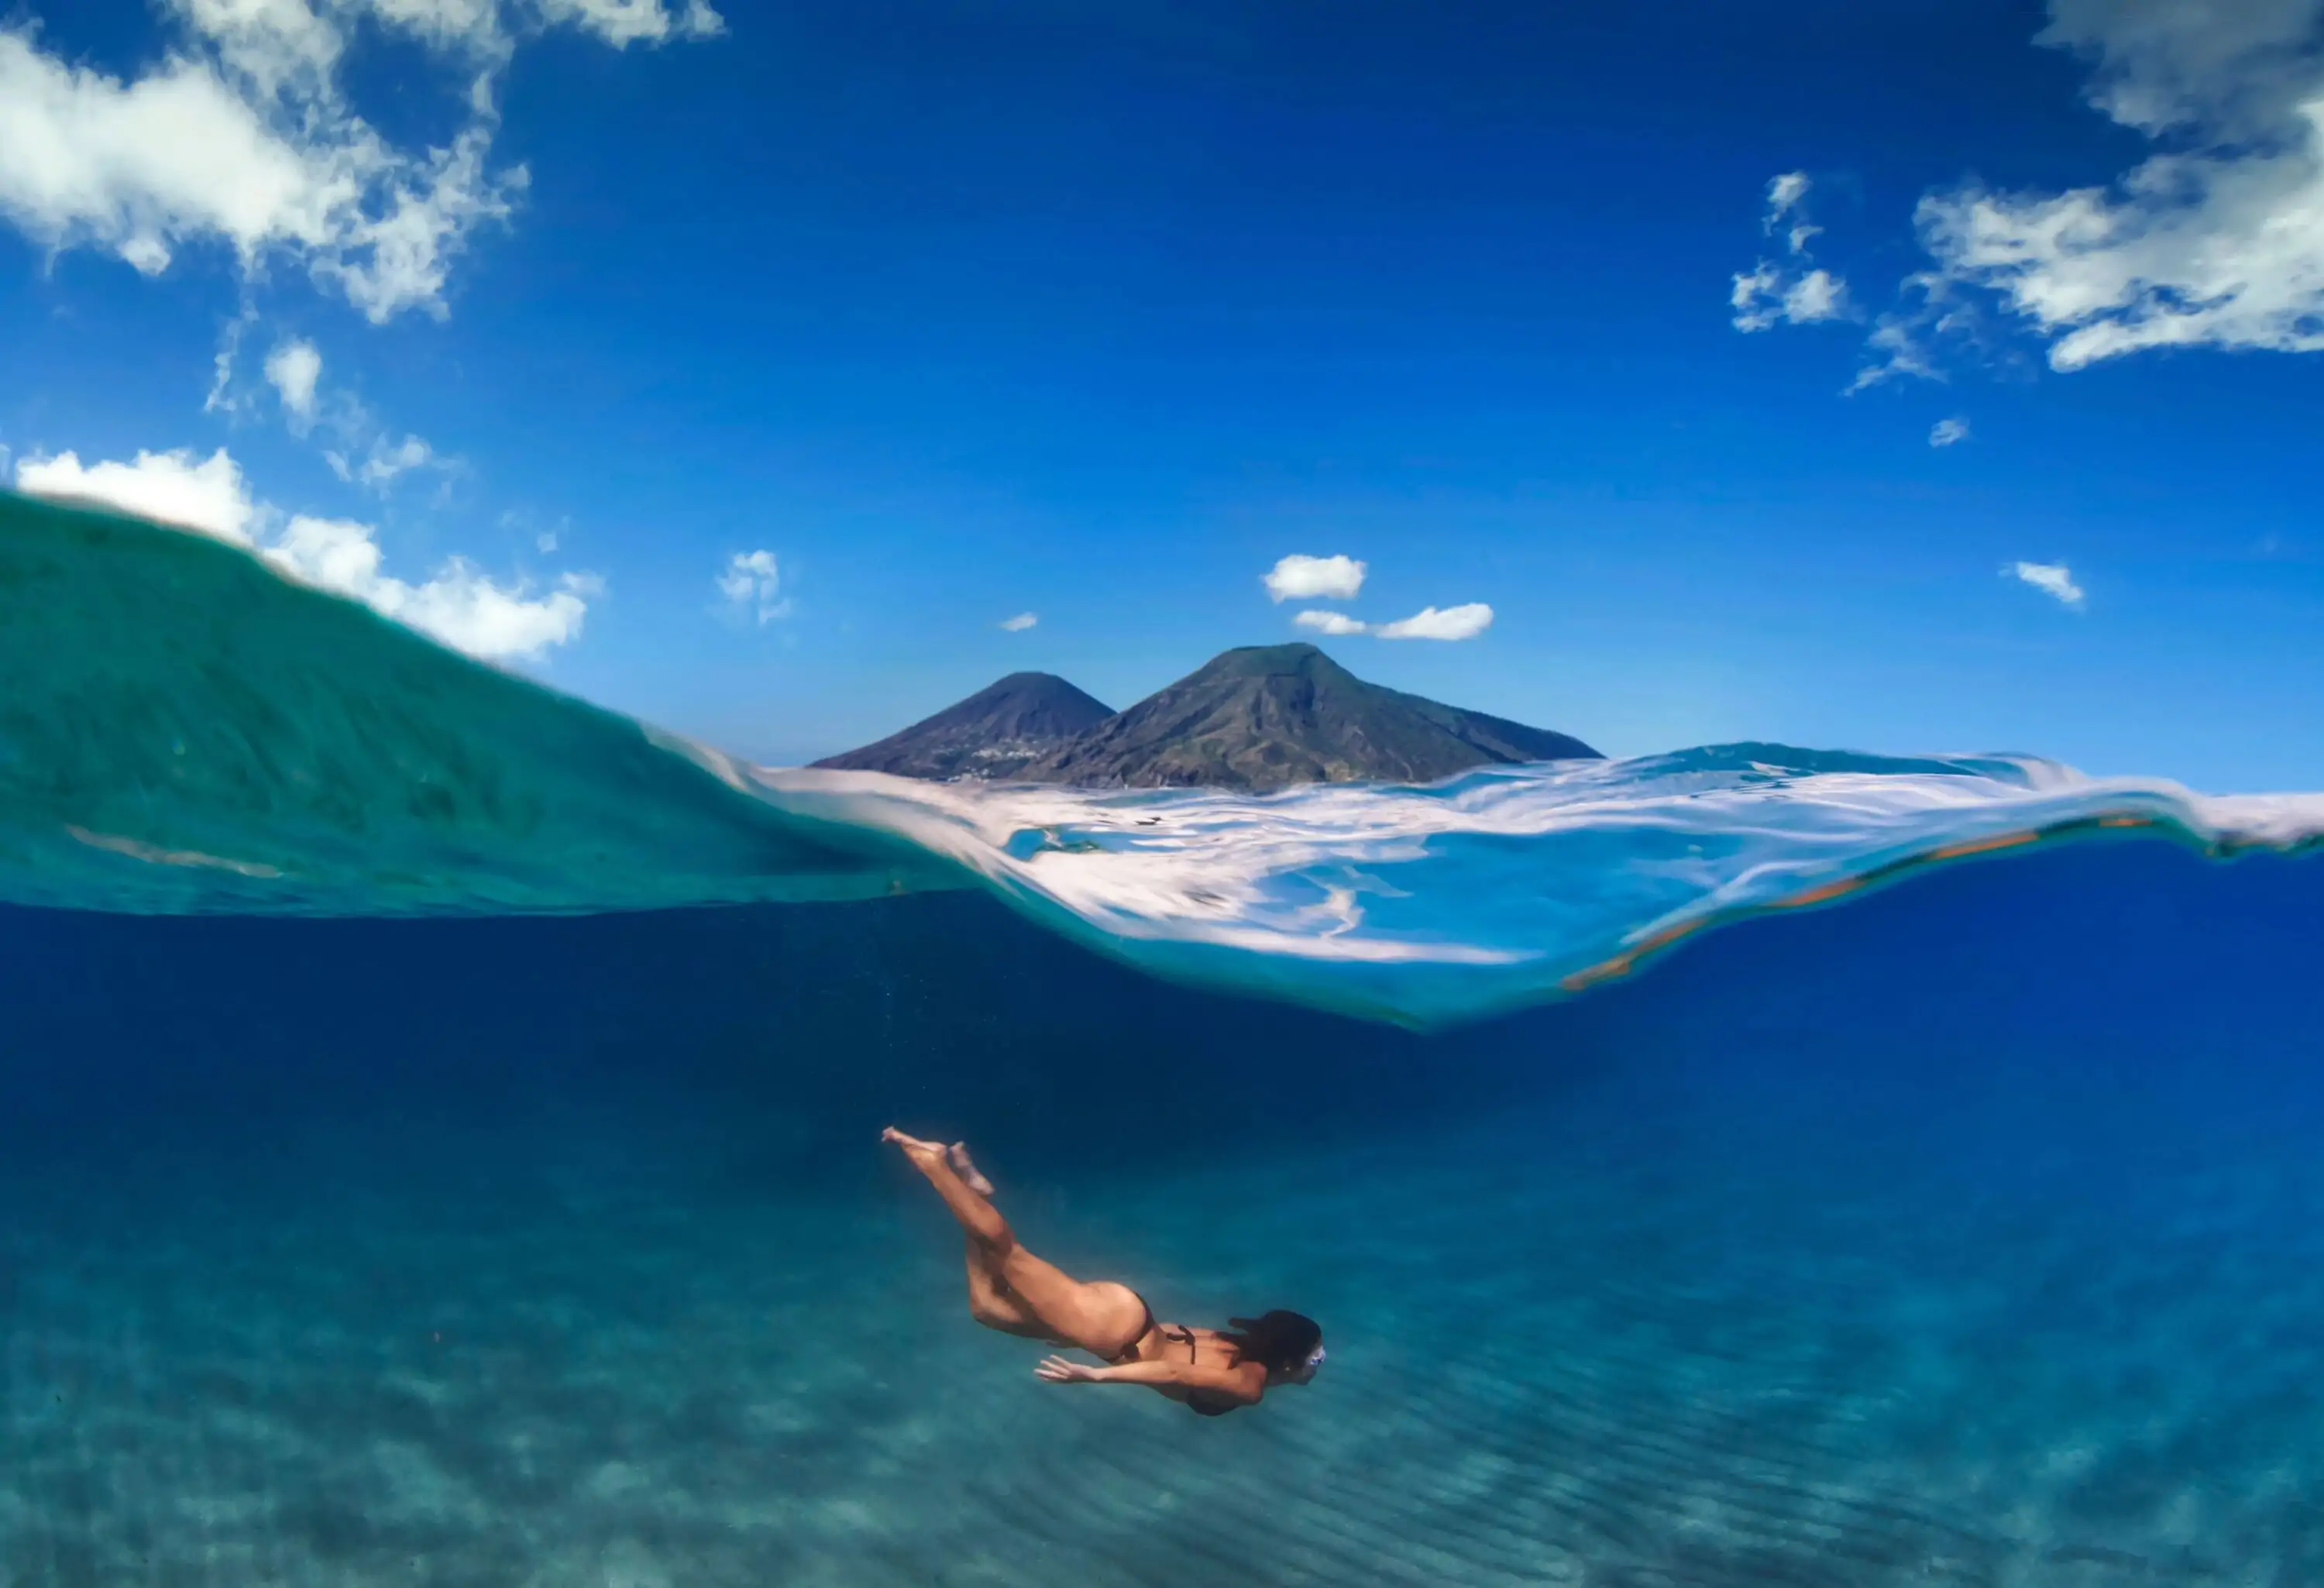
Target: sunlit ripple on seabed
(1554, 1360)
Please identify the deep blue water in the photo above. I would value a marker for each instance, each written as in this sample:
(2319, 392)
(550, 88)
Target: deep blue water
(438, 1146)
(1965, 1233)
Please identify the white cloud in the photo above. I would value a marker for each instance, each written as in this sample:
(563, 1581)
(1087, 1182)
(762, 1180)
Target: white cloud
(276, 44)
(364, 454)
(220, 399)
(241, 136)
(461, 605)
(207, 494)
(1329, 622)
(1790, 290)
(1901, 340)
(1454, 622)
(1948, 432)
(2216, 241)
(1314, 578)
(1774, 296)
(1757, 298)
(1020, 623)
(383, 463)
(196, 151)
(752, 586)
(2052, 578)
(293, 369)
(628, 22)
(1817, 295)
(1785, 194)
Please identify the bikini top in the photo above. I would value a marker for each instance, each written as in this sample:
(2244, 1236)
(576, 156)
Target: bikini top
(1203, 1403)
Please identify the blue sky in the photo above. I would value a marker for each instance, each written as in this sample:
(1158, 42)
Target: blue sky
(525, 319)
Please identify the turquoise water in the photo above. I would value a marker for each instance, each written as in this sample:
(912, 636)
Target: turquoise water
(440, 1147)
(185, 732)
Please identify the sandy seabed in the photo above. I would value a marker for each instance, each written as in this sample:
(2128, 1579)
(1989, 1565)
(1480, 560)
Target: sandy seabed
(1588, 1352)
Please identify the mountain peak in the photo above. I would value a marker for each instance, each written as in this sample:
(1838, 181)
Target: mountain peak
(991, 735)
(1253, 661)
(1263, 717)
(1258, 718)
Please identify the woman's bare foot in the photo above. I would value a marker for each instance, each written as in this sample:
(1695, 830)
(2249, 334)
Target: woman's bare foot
(924, 1155)
(965, 1168)
(975, 1212)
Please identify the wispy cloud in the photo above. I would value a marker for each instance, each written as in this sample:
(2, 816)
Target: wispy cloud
(1454, 622)
(221, 400)
(1948, 432)
(460, 606)
(361, 449)
(1450, 622)
(546, 536)
(1314, 578)
(244, 134)
(1785, 194)
(1770, 296)
(2219, 241)
(1020, 623)
(383, 461)
(293, 369)
(632, 22)
(1791, 289)
(2215, 239)
(2052, 578)
(751, 586)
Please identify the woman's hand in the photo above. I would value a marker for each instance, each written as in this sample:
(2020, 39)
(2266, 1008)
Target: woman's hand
(1057, 1369)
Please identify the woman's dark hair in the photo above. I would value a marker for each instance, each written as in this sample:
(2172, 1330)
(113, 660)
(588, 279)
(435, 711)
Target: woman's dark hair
(1282, 1340)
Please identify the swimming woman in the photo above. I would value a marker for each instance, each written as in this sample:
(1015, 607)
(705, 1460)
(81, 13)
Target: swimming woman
(1211, 1371)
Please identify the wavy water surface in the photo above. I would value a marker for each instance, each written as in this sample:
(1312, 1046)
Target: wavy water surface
(184, 730)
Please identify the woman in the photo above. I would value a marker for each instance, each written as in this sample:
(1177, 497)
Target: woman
(1211, 1372)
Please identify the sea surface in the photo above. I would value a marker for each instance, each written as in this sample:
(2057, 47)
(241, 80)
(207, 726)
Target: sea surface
(438, 1145)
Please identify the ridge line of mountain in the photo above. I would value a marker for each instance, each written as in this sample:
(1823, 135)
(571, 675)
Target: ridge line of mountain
(1257, 718)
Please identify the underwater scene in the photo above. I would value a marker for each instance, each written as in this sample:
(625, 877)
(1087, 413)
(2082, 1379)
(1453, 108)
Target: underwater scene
(442, 1145)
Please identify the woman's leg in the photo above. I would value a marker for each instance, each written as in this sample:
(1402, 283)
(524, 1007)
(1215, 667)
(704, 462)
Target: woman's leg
(1009, 1288)
(989, 1300)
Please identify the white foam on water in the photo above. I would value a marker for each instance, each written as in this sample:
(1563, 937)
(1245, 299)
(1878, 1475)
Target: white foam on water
(154, 760)
(1515, 883)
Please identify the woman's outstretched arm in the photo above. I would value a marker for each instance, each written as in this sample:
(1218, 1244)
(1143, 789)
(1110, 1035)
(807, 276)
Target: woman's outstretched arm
(1244, 1381)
